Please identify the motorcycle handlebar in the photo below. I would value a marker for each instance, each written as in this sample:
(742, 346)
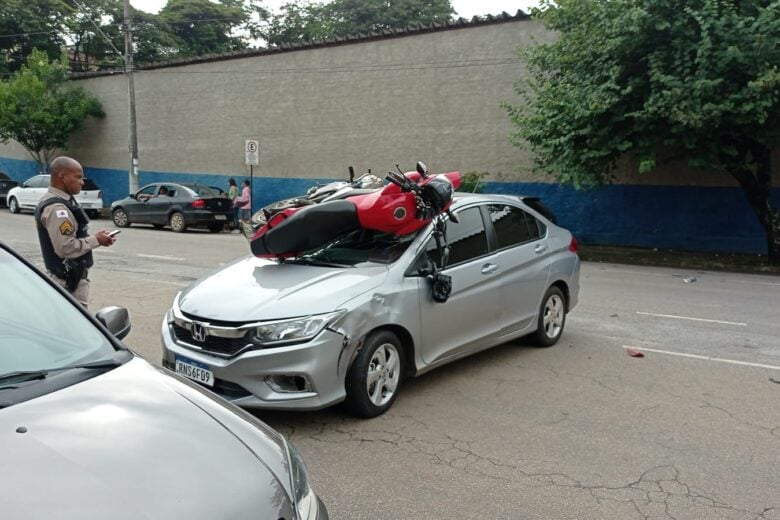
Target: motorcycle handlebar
(402, 182)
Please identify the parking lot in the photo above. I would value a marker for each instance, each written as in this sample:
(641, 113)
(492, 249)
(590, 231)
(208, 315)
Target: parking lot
(578, 431)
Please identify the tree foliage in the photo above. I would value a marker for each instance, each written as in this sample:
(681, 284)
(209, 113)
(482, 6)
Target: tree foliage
(698, 82)
(302, 20)
(41, 110)
(26, 25)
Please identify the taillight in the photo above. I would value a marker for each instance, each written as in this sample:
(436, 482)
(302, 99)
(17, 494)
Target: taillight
(100, 194)
(573, 245)
(199, 204)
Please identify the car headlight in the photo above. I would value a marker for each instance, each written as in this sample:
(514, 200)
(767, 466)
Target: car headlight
(305, 500)
(293, 331)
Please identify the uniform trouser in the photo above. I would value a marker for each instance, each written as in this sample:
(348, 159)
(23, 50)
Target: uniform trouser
(82, 290)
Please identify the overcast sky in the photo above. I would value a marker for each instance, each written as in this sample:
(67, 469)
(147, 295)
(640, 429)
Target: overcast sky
(464, 8)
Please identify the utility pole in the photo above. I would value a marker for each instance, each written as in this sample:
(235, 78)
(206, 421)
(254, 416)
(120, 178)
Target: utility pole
(133, 172)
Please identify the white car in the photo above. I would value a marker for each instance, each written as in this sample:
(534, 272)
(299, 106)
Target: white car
(33, 189)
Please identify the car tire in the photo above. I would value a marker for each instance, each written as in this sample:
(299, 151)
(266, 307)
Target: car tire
(216, 228)
(120, 218)
(13, 205)
(177, 223)
(552, 318)
(375, 377)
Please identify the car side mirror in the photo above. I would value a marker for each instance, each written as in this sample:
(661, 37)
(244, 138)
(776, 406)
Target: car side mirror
(24, 185)
(116, 320)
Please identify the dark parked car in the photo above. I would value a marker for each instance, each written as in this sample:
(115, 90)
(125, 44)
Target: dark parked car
(6, 183)
(88, 430)
(176, 205)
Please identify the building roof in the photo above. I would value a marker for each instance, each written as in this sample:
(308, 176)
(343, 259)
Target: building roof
(318, 43)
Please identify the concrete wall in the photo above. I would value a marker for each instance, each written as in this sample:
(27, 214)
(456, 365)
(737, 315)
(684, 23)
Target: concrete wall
(431, 96)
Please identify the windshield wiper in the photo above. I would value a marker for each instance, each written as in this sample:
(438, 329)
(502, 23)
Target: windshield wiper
(22, 376)
(316, 263)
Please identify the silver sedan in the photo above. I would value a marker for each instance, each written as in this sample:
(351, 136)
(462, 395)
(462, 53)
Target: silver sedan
(90, 431)
(350, 320)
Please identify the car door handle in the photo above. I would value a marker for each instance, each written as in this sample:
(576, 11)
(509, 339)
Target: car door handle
(541, 248)
(489, 268)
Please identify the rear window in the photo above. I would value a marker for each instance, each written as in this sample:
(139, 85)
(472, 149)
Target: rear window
(90, 185)
(536, 205)
(203, 191)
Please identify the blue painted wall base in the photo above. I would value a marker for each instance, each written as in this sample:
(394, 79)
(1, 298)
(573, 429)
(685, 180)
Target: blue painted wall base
(669, 217)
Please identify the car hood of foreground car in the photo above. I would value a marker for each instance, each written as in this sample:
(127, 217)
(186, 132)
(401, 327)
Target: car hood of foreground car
(136, 443)
(255, 289)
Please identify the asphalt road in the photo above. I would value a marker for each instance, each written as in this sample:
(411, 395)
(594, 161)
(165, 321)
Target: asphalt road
(579, 431)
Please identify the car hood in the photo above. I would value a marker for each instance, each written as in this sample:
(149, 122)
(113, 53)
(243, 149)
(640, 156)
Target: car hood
(253, 289)
(138, 443)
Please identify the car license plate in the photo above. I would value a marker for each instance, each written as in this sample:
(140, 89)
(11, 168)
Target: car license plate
(194, 370)
(220, 217)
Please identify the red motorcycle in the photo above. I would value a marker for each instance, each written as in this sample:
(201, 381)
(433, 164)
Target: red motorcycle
(405, 205)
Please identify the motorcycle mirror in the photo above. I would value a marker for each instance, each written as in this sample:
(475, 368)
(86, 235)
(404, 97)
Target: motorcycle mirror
(422, 169)
(453, 217)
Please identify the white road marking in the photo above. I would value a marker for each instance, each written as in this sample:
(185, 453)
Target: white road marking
(705, 358)
(178, 284)
(756, 283)
(161, 257)
(637, 272)
(101, 250)
(691, 319)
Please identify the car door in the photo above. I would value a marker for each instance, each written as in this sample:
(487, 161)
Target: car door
(468, 317)
(522, 254)
(161, 203)
(138, 210)
(34, 190)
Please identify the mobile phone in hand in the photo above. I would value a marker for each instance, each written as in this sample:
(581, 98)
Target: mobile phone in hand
(114, 233)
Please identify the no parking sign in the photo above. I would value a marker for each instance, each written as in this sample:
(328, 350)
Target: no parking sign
(252, 151)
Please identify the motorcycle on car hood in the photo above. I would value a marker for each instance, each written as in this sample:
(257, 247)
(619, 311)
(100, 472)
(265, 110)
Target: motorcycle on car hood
(408, 203)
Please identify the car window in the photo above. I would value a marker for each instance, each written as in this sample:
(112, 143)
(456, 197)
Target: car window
(360, 247)
(203, 191)
(466, 238)
(513, 225)
(39, 181)
(147, 190)
(89, 185)
(39, 328)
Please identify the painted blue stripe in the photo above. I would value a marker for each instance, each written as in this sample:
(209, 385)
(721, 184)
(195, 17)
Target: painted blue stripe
(668, 217)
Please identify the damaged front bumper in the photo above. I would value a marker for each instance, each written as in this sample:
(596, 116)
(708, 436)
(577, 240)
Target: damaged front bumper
(305, 376)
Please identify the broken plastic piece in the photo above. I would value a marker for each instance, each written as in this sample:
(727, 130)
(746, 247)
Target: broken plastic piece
(634, 353)
(690, 279)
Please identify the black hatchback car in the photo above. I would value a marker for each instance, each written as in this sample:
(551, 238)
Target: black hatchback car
(176, 205)
(6, 183)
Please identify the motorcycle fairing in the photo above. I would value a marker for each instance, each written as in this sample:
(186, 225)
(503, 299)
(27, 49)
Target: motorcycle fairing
(294, 230)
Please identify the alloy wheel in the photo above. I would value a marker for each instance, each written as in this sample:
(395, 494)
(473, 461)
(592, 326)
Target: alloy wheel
(384, 372)
(554, 314)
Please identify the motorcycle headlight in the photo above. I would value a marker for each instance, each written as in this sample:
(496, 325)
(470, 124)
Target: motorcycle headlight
(305, 500)
(296, 330)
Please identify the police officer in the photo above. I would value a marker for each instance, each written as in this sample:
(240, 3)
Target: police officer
(62, 230)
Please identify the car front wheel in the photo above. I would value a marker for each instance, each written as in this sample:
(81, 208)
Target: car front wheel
(552, 318)
(13, 205)
(120, 218)
(177, 222)
(375, 377)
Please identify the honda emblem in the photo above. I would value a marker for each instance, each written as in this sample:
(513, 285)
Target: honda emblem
(199, 332)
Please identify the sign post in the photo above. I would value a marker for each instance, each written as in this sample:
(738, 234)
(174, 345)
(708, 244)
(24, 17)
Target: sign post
(252, 155)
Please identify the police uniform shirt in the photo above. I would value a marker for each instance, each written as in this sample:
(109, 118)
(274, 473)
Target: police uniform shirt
(61, 225)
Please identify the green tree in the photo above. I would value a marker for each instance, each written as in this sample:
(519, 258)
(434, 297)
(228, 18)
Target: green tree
(29, 24)
(41, 110)
(302, 20)
(204, 27)
(657, 81)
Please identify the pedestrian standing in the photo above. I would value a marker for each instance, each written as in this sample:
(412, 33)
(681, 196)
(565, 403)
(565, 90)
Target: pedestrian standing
(63, 231)
(244, 202)
(232, 195)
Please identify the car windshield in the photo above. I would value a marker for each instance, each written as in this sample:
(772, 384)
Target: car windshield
(359, 248)
(40, 330)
